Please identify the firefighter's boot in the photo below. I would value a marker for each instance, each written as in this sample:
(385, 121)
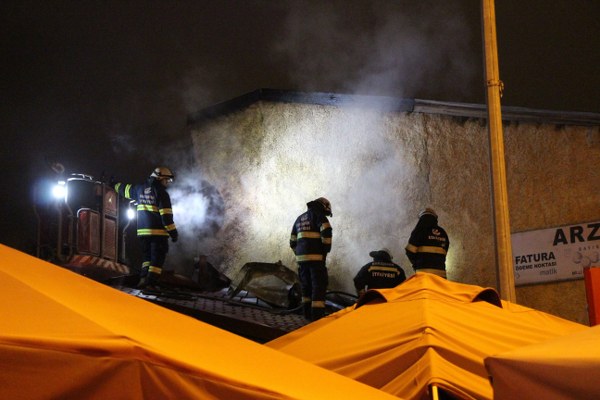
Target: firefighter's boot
(152, 282)
(307, 310)
(317, 313)
(143, 282)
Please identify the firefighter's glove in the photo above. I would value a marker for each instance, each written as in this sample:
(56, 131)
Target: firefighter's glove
(174, 237)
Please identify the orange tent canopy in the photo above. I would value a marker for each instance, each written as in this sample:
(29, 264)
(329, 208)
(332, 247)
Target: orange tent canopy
(425, 331)
(65, 336)
(567, 367)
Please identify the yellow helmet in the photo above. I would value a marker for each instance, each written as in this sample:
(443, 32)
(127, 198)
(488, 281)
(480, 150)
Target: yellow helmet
(162, 173)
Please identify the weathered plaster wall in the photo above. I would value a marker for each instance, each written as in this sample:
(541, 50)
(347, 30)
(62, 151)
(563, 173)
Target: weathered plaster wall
(552, 175)
(379, 169)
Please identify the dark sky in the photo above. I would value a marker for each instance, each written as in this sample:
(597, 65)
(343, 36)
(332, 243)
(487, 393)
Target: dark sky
(105, 86)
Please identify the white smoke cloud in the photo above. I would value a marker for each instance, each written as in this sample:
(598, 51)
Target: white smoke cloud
(347, 156)
(198, 214)
(195, 90)
(408, 48)
(122, 144)
(344, 154)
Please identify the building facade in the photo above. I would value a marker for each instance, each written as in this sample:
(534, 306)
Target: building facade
(380, 161)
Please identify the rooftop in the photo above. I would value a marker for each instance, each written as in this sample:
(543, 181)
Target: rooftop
(393, 104)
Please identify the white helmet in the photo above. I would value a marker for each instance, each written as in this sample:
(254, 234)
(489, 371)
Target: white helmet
(428, 211)
(162, 173)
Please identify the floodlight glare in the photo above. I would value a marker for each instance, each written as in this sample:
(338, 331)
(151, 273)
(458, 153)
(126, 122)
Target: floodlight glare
(59, 191)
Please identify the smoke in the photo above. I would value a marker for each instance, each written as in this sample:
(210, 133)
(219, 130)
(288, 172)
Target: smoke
(400, 48)
(349, 157)
(194, 88)
(198, 212)
(122, 144)
(354, 157)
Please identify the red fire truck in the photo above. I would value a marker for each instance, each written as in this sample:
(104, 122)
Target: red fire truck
(82, 226)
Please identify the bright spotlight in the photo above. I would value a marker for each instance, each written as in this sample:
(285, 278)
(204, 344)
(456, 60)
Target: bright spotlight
(130, 213)
(59, 191)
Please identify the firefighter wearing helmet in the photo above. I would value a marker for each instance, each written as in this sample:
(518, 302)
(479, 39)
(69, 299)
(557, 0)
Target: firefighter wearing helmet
(155, 223)
(380, 273)
(428, 245)
(311, 241)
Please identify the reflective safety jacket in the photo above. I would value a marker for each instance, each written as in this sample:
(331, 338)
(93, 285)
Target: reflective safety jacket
(428, 244)
(379, 274)
(311, 236)
(154, 212)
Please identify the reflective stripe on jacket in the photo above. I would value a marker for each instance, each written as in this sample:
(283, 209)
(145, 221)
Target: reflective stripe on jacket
(311, 236)
(379, 274)
(154, 212)
(428, 244)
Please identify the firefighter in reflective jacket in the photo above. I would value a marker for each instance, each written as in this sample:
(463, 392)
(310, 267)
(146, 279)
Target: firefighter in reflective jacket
(379, 273)
(428, 245)
(154, 222)
(311, 241)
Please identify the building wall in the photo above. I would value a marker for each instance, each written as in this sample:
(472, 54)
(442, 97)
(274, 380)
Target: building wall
(379, 169)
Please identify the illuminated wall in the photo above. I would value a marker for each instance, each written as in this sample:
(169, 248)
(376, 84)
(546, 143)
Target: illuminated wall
(379, 169)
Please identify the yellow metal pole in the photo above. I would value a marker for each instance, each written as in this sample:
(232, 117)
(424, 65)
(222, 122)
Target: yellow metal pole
(506, 280)
(434, 392)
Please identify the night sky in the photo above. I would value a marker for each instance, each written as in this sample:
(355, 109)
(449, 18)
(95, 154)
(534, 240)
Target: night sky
(104, 87)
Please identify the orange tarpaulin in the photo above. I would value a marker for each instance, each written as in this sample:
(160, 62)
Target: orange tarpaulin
(63, 336)
(425, 331)
(567, 367)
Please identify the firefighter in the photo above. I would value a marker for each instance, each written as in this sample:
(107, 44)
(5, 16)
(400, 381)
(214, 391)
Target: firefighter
(311, 241)
(154, 222)
(428, 245)
(379, 273)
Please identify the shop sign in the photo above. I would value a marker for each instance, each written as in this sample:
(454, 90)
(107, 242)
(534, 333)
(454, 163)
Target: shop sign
(555, 254)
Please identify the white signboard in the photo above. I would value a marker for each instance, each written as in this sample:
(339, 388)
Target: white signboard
(555, 254)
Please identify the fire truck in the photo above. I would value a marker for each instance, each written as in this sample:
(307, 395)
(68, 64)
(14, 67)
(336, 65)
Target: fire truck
(82, 226)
